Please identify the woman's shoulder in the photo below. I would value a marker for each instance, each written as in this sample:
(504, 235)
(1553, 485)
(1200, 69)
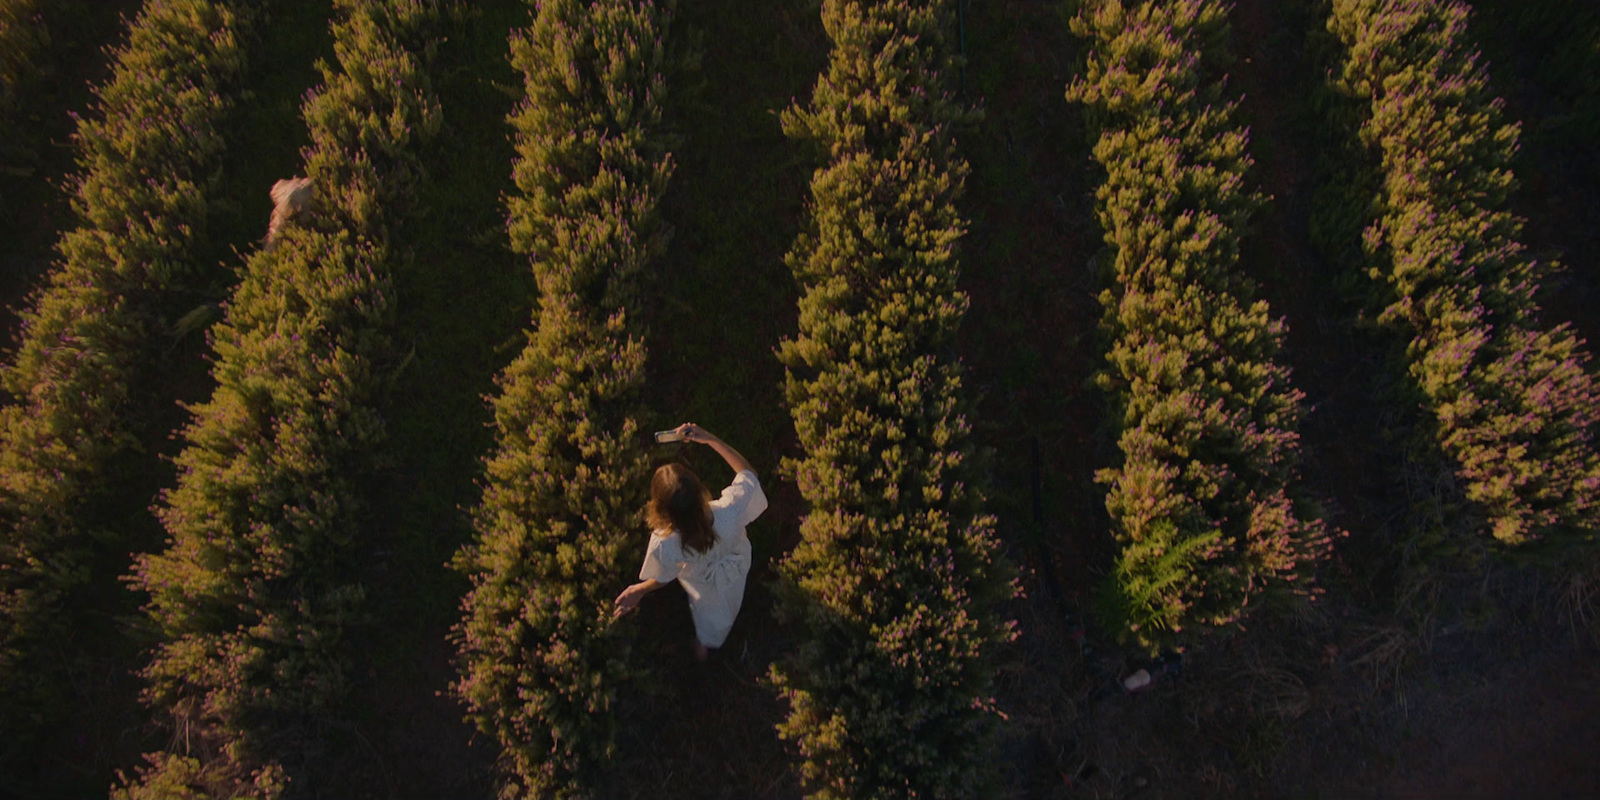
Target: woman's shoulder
(665, 541)
(742, 501)
(666, 545)
(743, 485)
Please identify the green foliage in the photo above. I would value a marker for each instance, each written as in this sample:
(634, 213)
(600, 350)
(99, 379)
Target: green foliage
(1201, 504)
(22, 37)
(22, 33)
(1513, 403)
(148, 158)
(256, 589)
(1348, 179)
(540, 654)
(895, 584)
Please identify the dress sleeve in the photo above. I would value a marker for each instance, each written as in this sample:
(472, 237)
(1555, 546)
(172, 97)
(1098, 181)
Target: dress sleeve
(743, 498)
(663, 559)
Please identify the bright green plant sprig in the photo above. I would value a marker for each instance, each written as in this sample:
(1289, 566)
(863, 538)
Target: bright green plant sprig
(539, 652)
(1201, 503)
(896, 583)
(1514, 403)
(256, 588)
(147, 156)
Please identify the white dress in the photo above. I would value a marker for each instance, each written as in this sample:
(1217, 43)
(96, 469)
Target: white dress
(714, 580)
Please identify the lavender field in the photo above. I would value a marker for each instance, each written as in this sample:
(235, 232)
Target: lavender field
(1155, 398)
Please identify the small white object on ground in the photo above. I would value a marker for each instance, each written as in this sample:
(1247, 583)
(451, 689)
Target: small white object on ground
(1136, 681)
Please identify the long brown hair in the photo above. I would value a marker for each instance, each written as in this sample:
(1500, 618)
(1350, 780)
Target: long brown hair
(679, 501)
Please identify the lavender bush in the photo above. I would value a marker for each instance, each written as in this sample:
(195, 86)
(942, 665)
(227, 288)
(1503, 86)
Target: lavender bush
(895, 586)
(539, 653)
(1202, 503)
(147, 156)
(255, 590)
(1513, 401)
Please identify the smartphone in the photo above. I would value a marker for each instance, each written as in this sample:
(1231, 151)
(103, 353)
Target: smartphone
(668, 436)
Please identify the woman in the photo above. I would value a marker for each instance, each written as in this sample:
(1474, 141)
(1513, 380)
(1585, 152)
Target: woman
(699, 541)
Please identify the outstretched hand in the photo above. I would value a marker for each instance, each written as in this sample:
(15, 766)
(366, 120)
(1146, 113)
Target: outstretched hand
(694, 433)
(629, 599)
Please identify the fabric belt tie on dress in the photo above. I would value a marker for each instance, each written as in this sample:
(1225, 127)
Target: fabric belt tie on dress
(726, 571)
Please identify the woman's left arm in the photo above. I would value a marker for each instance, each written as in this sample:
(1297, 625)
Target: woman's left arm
(630, 597)
(694, 433)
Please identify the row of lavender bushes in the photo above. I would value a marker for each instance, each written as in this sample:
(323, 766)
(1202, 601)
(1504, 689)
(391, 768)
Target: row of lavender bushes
(896, 586)
(258, 585)
(1512, 402)
(540, 655)
(1203, 505)
(148, 156)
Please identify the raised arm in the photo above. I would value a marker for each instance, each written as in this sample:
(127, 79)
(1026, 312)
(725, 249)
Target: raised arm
(695, 433)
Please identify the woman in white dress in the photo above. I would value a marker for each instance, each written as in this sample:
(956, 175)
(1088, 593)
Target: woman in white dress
(700, 542)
